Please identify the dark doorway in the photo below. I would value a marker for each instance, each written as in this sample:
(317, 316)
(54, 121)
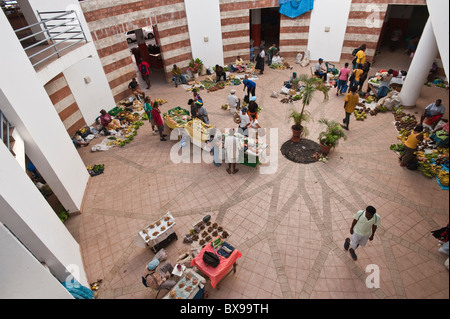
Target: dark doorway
(269, 28)
(407, 21)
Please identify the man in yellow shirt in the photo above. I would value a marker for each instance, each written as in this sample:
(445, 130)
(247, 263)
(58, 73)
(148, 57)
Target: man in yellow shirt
(356, 75)
(351, 99)
(361, 55)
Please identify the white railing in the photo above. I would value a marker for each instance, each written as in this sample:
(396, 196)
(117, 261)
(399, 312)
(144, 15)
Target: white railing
(60, 30)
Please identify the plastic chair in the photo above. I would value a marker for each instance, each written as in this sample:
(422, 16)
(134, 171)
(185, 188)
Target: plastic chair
(331, 69)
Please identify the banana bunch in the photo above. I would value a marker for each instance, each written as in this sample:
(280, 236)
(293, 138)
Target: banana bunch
(160, 101)
(443, 177)
(428, 170)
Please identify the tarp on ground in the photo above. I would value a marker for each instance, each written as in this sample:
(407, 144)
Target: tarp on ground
(295, 8)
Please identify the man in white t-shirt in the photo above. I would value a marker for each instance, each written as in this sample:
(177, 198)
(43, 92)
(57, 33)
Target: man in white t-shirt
(245, 122)
(364, 225)
(233, 101)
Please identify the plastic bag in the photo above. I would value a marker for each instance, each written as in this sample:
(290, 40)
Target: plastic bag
(274, 94)
(284, 90)
(299, 58)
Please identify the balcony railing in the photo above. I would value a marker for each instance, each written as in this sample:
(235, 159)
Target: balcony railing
(59, 31)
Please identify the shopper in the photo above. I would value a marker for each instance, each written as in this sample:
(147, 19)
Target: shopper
(351, 100)
(244, 122)
(156, 114)
(234, 103)
(365, 223)
(250, 86)
(202, 114)
(232, 152)
(260, 61)
(342, 79)
(193, 106)
(144, 67)
(252, 108)
(148, 110)
(271, 53)
(363, 77)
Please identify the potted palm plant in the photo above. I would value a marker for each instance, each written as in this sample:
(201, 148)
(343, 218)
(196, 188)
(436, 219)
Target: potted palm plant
(331, 136)
(297, 129)
(310, 85)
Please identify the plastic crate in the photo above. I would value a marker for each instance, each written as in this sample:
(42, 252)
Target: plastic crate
(115, 111)
(186, 112)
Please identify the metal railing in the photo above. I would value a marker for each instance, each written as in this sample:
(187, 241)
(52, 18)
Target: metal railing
(58, 28)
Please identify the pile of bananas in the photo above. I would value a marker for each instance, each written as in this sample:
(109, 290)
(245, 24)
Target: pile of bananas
(443, 177)
(160, 101)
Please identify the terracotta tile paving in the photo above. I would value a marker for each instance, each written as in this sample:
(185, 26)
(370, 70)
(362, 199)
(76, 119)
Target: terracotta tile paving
(290, 226)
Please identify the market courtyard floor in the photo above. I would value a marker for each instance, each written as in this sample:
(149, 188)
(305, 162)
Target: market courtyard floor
(289, 225)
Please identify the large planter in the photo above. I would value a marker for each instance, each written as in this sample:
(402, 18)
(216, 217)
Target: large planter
(296, 134)
(325, 149)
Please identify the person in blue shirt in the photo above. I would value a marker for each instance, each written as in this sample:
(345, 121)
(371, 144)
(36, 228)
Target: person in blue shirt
(251, 87)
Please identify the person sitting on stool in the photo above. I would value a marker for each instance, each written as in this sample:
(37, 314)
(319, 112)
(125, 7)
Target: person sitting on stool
(159, 274)
(220, 73)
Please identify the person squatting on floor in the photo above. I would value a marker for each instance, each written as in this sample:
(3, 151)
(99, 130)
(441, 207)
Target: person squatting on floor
(364, 225)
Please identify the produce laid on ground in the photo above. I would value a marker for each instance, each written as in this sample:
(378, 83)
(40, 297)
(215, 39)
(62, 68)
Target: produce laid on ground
(432, 160)
(96, 169)
(124, 135)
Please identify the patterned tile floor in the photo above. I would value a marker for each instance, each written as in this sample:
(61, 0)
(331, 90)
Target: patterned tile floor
(290, 226)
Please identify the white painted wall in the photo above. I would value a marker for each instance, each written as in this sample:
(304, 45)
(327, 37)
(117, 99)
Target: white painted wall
(203, 18)
(26, 212)
(332, 14)
(90, 97)
(22, 276)
(34, 116)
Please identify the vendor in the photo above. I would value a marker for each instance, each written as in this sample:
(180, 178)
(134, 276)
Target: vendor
(413, 140)
(177, 75)
(440, 134)
(240, 64)
(432, 113)
(244, 122)
(220, 73)
(320, 70)
(383, 90)
(105, 119)
(159, 274)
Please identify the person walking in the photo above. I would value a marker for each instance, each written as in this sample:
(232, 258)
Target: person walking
(364, 225)
(356, 76)
(144, 67)
(342, 79)
(351, 100)
(363, 76)
(260, 61)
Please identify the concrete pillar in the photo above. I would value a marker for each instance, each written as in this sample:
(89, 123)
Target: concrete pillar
(256, 27)
(421, 63)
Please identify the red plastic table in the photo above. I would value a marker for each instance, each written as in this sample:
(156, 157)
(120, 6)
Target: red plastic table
(225, 265)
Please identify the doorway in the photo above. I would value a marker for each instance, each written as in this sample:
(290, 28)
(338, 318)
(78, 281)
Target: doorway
(269, 28)
(401, 30)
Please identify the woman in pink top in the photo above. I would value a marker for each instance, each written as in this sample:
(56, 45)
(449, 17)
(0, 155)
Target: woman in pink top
(343, 77)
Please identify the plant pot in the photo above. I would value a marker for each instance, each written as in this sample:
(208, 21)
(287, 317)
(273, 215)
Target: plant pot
(325, 149)
(296, 134)
(195, 75)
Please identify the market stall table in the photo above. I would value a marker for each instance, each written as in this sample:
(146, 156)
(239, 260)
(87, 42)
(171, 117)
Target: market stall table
(225, 266)
(159, 234)
(190, 286)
